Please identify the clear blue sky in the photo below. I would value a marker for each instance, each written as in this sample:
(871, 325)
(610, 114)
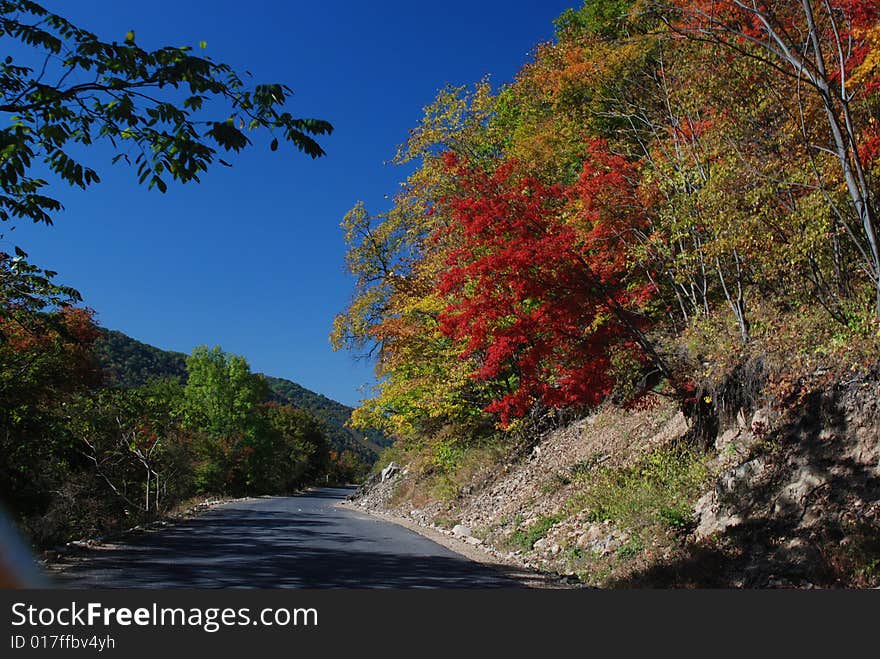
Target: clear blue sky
(252, 258)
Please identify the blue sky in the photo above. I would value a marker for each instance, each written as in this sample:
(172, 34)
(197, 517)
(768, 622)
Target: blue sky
(252, 258)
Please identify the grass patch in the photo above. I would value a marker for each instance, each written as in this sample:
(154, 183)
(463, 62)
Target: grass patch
(593, 574)
(631, 548)
(525, 538)
(660, 490)
(443, 468)
(446, 521)
(581, 470)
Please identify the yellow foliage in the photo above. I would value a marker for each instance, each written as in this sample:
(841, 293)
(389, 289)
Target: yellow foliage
(870, 66)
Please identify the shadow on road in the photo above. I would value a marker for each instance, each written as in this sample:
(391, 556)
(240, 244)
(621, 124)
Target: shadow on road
(305, 544)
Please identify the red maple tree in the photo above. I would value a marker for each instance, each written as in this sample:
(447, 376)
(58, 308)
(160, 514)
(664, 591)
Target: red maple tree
(539, 285)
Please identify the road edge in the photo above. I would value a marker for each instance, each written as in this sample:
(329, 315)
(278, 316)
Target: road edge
(58, 560)
(525, 577)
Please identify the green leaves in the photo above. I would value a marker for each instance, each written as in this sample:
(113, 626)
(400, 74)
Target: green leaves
(26, 289)
(159, 183)
(128, 97)
(222, 394)
(226, 135)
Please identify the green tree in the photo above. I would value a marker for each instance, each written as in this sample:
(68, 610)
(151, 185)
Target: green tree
(132, 440)
(167, 112)
(347, 467)
(221, 393)
(222, 399)
(300, 452)
(26, 290)
(45, 362)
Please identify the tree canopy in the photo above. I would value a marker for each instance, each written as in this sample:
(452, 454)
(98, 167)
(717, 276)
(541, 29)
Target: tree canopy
(77, 456)
(661, 182)
(169, 112)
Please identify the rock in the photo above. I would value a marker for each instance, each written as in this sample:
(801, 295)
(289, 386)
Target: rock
(391, 470)
(677, 426)
(540, 544)
(711, 518)
(601, 539)
(794, 498)
(461, 531)
(726, 438)
(760, 421)
(711, 513)
(605, 545)
(741, 477)
(473, 541)
(587, 539)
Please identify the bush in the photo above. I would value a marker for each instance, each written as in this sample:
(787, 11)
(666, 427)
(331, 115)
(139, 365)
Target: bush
(659, 490)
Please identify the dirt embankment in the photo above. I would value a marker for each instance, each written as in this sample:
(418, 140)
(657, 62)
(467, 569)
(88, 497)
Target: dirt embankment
(784, 498)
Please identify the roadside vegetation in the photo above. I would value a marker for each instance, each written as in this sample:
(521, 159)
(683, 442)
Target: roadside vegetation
(79, 456)
(671, 201)
(81, 459)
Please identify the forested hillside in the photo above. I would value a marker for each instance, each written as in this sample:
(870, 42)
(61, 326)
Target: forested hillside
(671, 203)
(81, 455)
(130, 363)
(365, 443)
(664, 190)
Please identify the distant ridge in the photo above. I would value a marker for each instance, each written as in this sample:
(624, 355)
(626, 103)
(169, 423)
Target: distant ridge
(130, 363)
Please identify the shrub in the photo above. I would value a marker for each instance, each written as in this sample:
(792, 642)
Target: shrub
(659, 490)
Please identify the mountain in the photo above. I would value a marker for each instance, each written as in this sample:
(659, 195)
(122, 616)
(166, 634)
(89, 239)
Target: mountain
(131, 363)
(334, 414)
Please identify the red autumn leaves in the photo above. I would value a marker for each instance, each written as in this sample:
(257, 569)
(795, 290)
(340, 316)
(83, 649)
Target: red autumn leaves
(538, 280)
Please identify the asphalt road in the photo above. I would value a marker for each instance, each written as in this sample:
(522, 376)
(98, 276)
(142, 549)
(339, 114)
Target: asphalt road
(280, 542)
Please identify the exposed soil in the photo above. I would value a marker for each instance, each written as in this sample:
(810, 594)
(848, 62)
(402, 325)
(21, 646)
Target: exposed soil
(793, 499)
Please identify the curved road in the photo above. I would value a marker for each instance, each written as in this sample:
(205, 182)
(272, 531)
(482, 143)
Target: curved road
(280, 542)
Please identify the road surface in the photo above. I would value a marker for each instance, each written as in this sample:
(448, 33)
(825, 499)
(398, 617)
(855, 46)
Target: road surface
(280, 542)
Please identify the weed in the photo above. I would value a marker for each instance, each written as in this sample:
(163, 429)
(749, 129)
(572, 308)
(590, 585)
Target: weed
(870, 572)
(581, 471)
(445, 488)
(731, 450)
(525, 538)
(595, 574)
(631, 548)
(446, 455)
(574, 554)
(446, 521)
(677, 518)
(555, 483)
(658, 490)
